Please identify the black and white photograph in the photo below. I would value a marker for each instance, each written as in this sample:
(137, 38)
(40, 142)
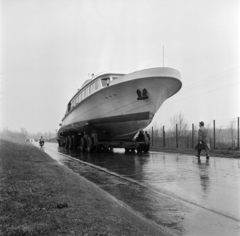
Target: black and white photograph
(119, 117)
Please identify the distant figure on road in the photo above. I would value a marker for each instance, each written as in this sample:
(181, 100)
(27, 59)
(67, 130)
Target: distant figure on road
(41, 139)
(203, 140)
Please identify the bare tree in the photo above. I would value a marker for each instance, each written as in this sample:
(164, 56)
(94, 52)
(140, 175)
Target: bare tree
(232, 129)
(182, 124)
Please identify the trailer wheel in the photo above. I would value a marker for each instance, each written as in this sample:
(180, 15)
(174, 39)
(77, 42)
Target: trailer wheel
(82, 145)
(146, 148)
(74, 142)
(66, 143)
(140, 148)
(70, 145)
(89, 144)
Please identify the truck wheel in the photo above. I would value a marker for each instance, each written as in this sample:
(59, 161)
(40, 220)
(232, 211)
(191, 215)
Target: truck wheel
(82, 145)
(66, 143)
(89, 145)
(70, 145)
(73, 139)
(146, 148)
(140, 148)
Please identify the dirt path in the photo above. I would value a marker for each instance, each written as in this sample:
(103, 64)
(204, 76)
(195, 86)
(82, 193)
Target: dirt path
(41, 197)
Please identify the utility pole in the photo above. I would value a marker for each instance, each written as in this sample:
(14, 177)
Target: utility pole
(238, 134)
(163, 137)
(192, 136)
(176, 136)
(152, 136)
(214, 137)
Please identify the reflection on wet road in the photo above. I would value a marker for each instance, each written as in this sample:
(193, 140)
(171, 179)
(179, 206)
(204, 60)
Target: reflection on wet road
(178, 192)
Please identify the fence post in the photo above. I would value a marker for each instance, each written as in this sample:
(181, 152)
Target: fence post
(238, 134)
(152, 136)
(192, 136)
(176, 136)
(163, 137)
(214, 137)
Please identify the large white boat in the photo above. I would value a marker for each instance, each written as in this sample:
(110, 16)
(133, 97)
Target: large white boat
(117, 106)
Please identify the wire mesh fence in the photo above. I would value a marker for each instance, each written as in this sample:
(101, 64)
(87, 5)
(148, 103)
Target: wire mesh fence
(221, 137)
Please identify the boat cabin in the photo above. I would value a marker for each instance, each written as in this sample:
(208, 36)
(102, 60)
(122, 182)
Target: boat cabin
(90, 87)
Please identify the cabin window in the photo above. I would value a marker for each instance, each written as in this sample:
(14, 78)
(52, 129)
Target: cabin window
(90, 89)
(105, 81)
(87, 91)
(79, 97)
(97, 85)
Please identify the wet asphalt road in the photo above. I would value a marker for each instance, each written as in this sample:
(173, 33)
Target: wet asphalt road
(181, 194)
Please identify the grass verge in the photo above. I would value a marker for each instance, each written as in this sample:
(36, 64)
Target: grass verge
(41, 197)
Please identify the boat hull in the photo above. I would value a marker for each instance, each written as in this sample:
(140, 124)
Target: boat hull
(116, 111)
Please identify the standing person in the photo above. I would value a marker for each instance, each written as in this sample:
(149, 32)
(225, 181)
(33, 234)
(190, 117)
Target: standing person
(139, 136)
(203, 140)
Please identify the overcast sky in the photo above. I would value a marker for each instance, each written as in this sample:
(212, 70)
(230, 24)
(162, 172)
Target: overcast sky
(48, 48)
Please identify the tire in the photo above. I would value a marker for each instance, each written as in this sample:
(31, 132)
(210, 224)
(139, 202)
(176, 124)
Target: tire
(140, 148)
(70, 145)
(146, 148)
(89, 145)
(82, 145)
(74, 142)
(66, 143)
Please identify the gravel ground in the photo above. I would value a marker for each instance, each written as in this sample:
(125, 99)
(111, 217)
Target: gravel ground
(41, 197)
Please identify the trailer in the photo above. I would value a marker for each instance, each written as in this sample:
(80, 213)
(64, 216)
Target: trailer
(90, 142)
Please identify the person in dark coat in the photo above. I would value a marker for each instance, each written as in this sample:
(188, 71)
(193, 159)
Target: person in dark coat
(203, 141)
(140, 137)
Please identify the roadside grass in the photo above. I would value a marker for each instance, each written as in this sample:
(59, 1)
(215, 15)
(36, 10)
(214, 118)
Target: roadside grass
(24, 203)
(42, 197)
